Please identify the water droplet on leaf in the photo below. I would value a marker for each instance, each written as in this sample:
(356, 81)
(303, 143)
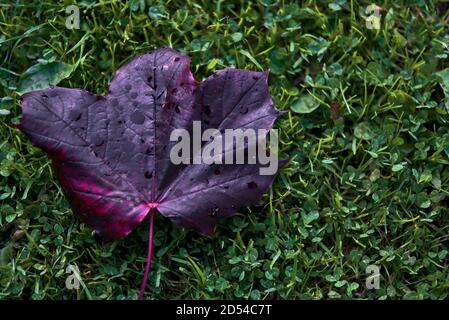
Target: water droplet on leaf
(214, 211)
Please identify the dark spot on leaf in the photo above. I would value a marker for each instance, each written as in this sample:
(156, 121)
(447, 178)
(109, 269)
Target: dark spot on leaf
(133, 95)
(137, 117)
(206, 110)
(244, 111)
(252, 185)
(128, 87)
(217, 171)
(177, 110)
(176, 59)
(44, 96)
(148, 174)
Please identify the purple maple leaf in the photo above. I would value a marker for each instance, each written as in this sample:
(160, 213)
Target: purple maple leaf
(111, 153)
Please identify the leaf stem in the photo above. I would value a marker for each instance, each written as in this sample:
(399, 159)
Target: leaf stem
(149, 255)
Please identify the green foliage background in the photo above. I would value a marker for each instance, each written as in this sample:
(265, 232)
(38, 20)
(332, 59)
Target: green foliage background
(367, 133)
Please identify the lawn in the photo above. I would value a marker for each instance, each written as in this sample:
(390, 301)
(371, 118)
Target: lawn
(367, 132)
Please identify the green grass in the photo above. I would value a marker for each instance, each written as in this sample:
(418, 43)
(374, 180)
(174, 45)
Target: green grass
(368, 182)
